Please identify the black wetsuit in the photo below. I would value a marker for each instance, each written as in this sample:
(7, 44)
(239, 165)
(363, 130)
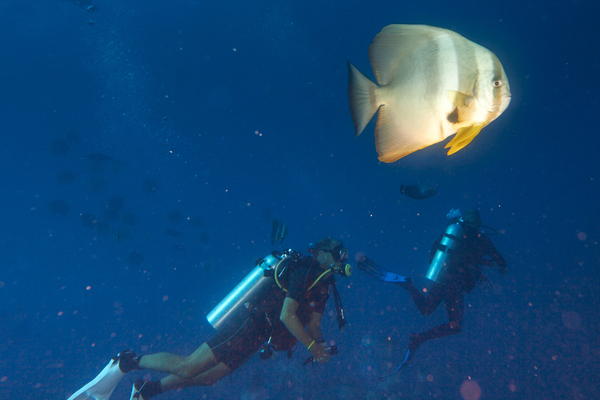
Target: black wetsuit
(245, 333)
(463, 274)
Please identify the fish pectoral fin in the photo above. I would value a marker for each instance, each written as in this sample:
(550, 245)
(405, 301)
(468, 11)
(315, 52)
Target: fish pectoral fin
(463, 137)
(459, 99)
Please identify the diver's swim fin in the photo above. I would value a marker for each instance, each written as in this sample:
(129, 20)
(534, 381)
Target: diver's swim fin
(370, 267)
(407, 358)
(102, 386)
(279, 231)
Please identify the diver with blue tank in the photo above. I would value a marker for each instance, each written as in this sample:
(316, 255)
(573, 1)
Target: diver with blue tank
(455, 268)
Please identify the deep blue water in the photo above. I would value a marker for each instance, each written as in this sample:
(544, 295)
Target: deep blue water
(239, 113)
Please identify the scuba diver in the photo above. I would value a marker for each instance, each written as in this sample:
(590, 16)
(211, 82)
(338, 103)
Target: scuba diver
(455, 268)
(279, 303)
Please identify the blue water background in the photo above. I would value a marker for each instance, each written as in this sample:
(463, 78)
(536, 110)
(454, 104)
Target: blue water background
(238, 110)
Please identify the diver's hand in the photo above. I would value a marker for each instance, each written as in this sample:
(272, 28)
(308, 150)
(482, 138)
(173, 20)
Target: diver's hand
(319, 352)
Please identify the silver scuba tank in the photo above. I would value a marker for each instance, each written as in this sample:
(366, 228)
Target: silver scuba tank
(249, 291)
(437, 270)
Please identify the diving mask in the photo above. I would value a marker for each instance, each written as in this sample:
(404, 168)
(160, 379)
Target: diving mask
(339, 253)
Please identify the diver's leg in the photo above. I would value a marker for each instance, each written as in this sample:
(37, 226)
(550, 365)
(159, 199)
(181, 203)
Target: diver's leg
(455, 309)
(148, 389)
(199, 368)
(207, 378)
(426, 302)
(196, 363)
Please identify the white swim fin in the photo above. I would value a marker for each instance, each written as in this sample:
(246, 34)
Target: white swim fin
(105, 383)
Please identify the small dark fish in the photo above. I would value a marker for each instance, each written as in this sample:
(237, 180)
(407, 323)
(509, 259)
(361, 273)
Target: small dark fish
(279, 232)
(97, 184)
(178, 247)
(72, 137)
(418, 192)
(135, 257)
(115, 202)
(59, 207)
(174, 216)
(129, 219)
(99, 157)
(65, 177)
(88, 220)
(204, 238)
(121, 234)
(59, 147)
(172, 232)
(111, 214)
(103, 228)
(196, 222)
(150, 186)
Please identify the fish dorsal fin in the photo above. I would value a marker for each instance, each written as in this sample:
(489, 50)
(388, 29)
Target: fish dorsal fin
(394, 44)
(464, 137)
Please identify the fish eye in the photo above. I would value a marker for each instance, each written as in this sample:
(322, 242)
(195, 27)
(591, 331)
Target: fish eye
(497, 83)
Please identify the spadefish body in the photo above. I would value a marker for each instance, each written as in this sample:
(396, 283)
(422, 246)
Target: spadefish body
(432, 83)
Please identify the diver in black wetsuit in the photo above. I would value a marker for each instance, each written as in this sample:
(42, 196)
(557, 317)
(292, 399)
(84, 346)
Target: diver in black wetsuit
(455, 260)
(461, 276)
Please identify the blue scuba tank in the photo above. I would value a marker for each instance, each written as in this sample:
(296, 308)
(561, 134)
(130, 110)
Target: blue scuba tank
(251, 290)
(443, 255)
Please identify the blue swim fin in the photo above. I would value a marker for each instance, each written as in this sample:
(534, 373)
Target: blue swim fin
(372, 268)
(407, 358)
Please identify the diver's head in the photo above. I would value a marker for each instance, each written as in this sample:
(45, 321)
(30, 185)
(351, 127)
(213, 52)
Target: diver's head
(472, 218)
(331, 254)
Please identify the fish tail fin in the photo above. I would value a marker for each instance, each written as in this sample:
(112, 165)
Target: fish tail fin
(361, 94)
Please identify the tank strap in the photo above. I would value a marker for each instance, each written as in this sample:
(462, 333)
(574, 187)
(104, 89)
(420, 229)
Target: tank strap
(339, 308)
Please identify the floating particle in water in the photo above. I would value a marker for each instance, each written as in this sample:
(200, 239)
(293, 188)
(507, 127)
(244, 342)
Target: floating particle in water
(470, 390)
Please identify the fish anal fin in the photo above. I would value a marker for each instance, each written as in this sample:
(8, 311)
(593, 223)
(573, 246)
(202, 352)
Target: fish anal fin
(463, 137)
(391, 141)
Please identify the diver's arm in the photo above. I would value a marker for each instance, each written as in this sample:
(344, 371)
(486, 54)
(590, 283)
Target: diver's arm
(292, 322)
(290, 319)
(496, 257)
(314, 326)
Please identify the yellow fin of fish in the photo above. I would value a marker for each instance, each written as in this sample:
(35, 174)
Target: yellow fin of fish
(464, 137)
